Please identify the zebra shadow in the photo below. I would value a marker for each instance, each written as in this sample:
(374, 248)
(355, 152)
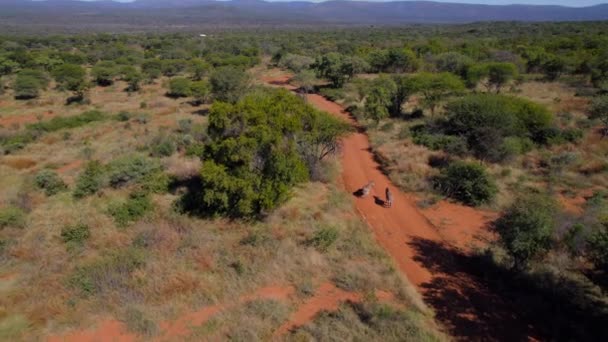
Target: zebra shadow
(379, 201)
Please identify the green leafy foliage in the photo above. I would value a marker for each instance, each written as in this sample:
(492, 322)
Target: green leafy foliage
(599, 110)
(485, 121)
(12, 217)
(494, 75)
(229, 84)
(526, 227)
(466, 182)
(260, 148)
(337, 68)
(49, 181)
(179, 87)
(75, 235)
(324, 238)
(136, 206)
(90, 180)
(61, 122)
(131, 169)
(71, 77)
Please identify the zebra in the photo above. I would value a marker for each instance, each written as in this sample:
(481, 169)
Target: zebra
(389, 198)
(367, 188)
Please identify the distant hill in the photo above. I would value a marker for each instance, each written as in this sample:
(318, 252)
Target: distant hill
(146, 14)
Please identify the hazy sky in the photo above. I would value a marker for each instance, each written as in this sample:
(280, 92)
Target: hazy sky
(577, 3)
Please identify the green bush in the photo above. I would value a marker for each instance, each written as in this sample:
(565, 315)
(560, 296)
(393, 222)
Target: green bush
(26, 87)
(324, 238)
(486, 120)
(58, 123)
(179, 87)
(526, 227)
(162, 146)
(136, 206)
(50, 182)
(131, 169)
(259, 149)
(75, 235)
(12, 217)
(466, 182)
(90, 180)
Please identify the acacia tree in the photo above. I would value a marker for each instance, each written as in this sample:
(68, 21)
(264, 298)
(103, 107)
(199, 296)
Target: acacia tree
(493, 75)
(436, 87)
(71, 77)
(380, 98)
(306, 80)
(337, 68)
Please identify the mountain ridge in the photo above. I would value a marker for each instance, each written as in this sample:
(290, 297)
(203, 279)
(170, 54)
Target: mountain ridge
(71, 14)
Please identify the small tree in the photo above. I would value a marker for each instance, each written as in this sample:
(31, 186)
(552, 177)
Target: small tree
(526, 227)
(492, 75)
(26, 87)
(199, 69)
(71, 77)
(436, 87)
(104, 72)
(229, 84)
(201, 91)
(179, 87)
(306, 81)
(338, 69)
(380, 98)
(29, 82)
(554, 67)
(133, 78)
(599, 111)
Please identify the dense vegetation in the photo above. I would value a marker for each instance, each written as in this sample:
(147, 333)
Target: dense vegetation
(161, 154)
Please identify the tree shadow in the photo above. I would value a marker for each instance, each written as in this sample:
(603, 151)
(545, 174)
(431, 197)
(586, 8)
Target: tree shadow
(477, 299)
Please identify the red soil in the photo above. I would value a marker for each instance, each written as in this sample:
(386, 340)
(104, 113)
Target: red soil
(180, 328)
(70, 166)
(327, 298)
(24, 119)
(107, 330)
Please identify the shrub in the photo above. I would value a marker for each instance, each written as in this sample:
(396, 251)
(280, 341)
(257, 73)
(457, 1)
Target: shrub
(109, 273)
(324, 238)
(179, 87)
(229, 84)
(131, 169)
(26, 87)
(466, 182)
(90, 180)
(526, 227)
(50, 182)
(75, 235)
(162, 146)
(12, 217)
(58, 123)
(485, 120)
(136, 206)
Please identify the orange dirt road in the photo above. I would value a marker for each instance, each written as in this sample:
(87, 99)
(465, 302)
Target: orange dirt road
(430, 246)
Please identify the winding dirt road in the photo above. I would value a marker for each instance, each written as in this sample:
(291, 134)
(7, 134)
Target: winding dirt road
(436, 260)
